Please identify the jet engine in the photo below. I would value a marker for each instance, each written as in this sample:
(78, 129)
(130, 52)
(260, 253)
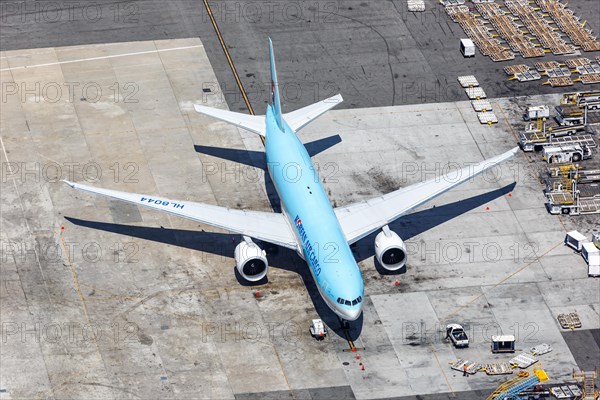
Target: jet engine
(250, 260)
(390, 250)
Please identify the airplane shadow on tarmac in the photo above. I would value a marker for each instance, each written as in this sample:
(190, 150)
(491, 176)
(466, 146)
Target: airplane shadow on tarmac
(223, 244)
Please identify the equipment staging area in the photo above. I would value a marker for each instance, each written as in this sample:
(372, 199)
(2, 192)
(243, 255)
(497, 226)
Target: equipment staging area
(102, 299)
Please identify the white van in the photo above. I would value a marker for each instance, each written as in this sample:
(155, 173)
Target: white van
(591, 255)
(467, 48)
(575, 240)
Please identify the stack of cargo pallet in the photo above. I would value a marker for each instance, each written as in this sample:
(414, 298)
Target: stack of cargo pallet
(522, 73)
(570, 24)
(577, 62)
(508, 30)
(562, 81)
(476, 30)
(516, 69)
(539, 27)
(589, 70)
(544, 66)
(477, 95)
(498, 369)
(452, 2)
(569, 321)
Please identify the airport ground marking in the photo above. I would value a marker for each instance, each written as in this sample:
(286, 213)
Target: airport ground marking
(99, 58)
(507, 122)
(229, 60)
(459, 309)
(437, 360)
(37, 256)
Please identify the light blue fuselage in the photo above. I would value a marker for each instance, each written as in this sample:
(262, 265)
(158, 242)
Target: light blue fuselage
(318, 232)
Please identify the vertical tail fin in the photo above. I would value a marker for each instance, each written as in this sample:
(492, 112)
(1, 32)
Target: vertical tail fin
(275, 100)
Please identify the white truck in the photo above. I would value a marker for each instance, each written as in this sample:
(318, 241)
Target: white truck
(536, 112)
(317, 329)
(457, 335)
(467, 48)
(566, 153)
(591, 255)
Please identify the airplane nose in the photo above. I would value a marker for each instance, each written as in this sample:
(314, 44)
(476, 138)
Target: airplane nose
(352, 315)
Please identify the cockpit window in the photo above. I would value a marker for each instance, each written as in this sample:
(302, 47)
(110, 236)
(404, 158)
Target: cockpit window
(348, 302)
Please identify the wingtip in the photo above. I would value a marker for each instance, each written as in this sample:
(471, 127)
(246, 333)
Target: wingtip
(72, 184)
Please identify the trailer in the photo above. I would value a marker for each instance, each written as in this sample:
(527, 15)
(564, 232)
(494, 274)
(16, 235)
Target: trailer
(503, 344)
(563, 130)
(570, 115)
(585, 175)
(581, 99)
(575, 240)
(538, 142)
(591, 255)
(572, 203)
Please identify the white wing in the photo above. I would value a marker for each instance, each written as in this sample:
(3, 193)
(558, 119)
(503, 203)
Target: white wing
(361, 219)
(300, 118)
(269, 227)
(252, 123)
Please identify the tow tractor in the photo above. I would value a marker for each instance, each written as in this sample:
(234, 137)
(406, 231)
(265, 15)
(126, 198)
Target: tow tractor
(457, 335)
(566, 153)
(317, 329)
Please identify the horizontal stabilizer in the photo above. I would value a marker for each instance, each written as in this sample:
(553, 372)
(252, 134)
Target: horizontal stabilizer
(300, 118)
(252, 123)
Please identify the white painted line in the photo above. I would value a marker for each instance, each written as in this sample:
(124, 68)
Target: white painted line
(100, 58)
(37, 256)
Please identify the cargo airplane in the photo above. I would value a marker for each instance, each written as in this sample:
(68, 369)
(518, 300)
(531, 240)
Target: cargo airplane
(308, 224)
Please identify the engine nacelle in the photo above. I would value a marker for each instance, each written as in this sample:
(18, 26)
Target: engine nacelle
(390, 250)
(251, 261)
